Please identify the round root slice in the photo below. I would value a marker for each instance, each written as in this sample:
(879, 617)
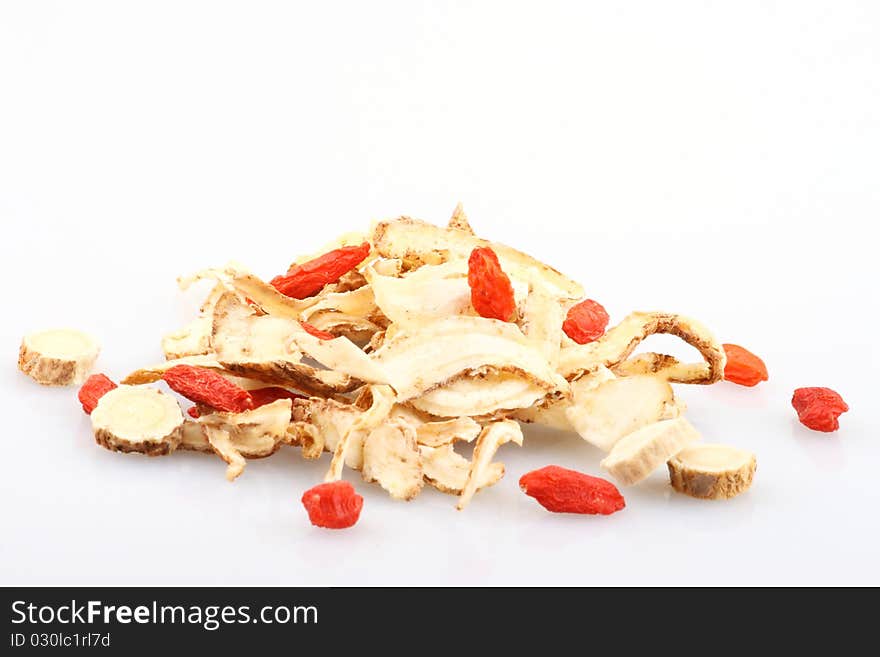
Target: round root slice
(58, 357)
(712, 472)
(638, 454)
(138, 419)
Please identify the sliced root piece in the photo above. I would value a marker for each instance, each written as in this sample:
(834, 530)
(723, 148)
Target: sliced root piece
(541, 321)
(435, 434)
(58, 357)
(637, 455)
(194, 339)
(481, 394)
(391, 457)
(252, 434)
(419, 242)
(377, 402)
(552, 411)
(712, 472)
(153, 373)
(137, 419)
(491, 438)
(619, 342)
(459, 220)
(309, 439)
(418, 360)
(447, 470)
(193, 438)
(604, 415)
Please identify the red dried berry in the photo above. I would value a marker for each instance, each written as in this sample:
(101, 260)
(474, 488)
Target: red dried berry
(207, 387)
(567, 491)
(819, 408)
(491, 291)
(315, 331)
(193, 412)
(95, 387)
(743, 367)
(334, 505)
(263, 396)
(585, 321)
(308, 278)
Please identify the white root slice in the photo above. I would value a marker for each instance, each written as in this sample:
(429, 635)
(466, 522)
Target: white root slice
(447, 470)
(417, 361)
(153, 373)
(619, 342)
(541, 321)
(637, 455)
(459, 220)
(391, 458)
(194, 339)
(481, 393)
(251, 434)
(58, 357)
(307, 437)
(491, 438)
(194, 438)
(261, 347)
(355, 303)
(137, 419)
(435, 434)
(552, 411)
(381, 400)
(712, 472)
(249, 286)
(420, 242)
(618, 407)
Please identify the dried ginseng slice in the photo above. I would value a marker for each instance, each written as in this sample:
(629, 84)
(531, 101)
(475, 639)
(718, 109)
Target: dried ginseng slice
(391, 457)
(491, 438)
(637, 455)
(137, 419)
(712, 472)
(58, 357)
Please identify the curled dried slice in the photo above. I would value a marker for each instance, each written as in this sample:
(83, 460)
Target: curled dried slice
(137, 419)
(153, 373)
(58, 357)
(619, 342)
(251, 434)
(552, 411)
(637, 455)
(541, 322)
(712, 472)
(459, 220)
(376, 402)
(417, 361)
(447, 470)
(391, 457)
(435, 434)
(194, 339)
(263, 347)
(419, 243)
(307, 436)
(481, 393)
(491, 438)
(617, 407)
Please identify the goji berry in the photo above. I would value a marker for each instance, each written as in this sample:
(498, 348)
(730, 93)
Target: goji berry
(743, 367)
(318, 333)
(193, 412)
(567, 491)
(491, 291)
(585, 321)
(819, 408)
(263, 396)
(207, 387)
(95, 387)
(307, 279)
(334, 505)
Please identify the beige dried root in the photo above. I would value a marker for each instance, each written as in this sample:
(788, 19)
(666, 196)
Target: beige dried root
(58, 357)
(248, 435)
(712, 472)
(459, 221)
(137, 419)
(446, 432)
(193, 438)
(637, 455)
(154, 373)
(617, 407)
(376, 403)
(491, 438)
(447, 470)
(194, 339)
(616, 346)
(391, 458)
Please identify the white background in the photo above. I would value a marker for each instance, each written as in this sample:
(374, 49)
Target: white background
(715, 159)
